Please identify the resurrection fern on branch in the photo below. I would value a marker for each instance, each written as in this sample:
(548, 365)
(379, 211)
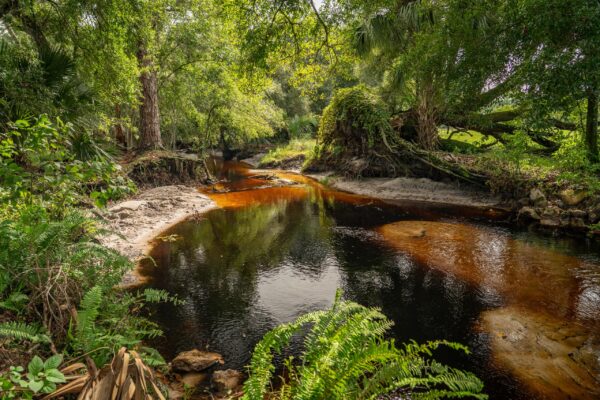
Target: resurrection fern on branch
(347, 357)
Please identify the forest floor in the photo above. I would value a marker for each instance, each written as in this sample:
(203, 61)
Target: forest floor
(133, 224)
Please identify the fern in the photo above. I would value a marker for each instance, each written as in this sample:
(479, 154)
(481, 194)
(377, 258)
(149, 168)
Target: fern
(15, 302)
(23, 331)
(347, 357)
(156, 296)
(87, 315)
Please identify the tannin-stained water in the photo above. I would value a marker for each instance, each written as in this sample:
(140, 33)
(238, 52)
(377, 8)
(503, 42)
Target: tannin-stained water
(273, 253)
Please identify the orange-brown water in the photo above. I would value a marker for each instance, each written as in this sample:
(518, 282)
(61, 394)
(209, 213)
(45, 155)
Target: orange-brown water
(523, 273)
(272, 253)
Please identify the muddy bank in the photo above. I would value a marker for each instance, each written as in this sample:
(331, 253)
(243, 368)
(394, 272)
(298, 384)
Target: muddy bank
(254, 161)
(411, 189)
(134, 223)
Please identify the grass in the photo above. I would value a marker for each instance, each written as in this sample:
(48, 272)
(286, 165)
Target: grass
(288, 151)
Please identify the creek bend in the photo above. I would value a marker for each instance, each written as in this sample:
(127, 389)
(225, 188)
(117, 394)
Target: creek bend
(273, 251)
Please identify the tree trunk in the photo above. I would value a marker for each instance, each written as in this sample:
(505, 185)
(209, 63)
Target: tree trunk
(119, 131)
(591, 127)
(426, 118)
(149, 112)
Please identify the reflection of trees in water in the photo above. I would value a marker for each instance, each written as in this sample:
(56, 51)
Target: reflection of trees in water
(424, 304)
(215, 265)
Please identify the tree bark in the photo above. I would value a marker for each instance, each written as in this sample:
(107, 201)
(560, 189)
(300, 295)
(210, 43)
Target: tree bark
(427, 131)
(591, 126)
(120, 136)
(150, 137)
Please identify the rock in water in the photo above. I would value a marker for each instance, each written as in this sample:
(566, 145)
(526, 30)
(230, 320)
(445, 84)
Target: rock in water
(195, 361)
(228, 380)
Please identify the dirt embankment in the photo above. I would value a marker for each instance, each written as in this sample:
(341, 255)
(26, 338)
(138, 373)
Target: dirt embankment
(132, 224)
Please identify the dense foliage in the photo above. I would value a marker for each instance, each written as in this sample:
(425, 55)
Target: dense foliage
(355, 121)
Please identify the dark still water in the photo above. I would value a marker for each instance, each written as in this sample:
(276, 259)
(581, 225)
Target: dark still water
(271, 254)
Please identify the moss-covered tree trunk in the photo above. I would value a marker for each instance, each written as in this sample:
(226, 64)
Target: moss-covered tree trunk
(591, 128)
(150, 137)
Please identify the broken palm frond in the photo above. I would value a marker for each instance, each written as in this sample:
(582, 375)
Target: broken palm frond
(125, 378)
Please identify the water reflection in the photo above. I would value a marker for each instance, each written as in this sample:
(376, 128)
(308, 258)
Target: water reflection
(272, 254)
(523, 273)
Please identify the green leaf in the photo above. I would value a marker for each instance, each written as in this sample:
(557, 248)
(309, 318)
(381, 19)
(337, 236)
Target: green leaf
(53, 362)
(21, 123)
(36, 366)
(55, 376)
(35, 386)
(48, 387)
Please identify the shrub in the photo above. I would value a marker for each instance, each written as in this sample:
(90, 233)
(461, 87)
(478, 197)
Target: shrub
(39, 162)
(53, 263)
(108, 320)
(347, 357)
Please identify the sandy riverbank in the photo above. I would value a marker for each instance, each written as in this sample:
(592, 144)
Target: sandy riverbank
(134, 223)
(411, 189)
(403, 189)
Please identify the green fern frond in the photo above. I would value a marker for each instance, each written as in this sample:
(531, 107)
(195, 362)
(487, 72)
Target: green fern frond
(23, 331)
(88, 313)
(347, 357)
(160, 296)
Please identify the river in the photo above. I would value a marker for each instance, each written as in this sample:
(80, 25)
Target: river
(269, 254)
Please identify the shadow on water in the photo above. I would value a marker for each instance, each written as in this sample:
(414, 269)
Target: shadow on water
(272, 254)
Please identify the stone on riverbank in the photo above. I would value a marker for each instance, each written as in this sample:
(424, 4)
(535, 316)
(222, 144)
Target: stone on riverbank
(227, 381)
(537, 198)
(529, 213)
(571, 197)
(195, 361)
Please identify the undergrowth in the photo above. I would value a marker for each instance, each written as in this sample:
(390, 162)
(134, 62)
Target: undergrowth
(58, 284)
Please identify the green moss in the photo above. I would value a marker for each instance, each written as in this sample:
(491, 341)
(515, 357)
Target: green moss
(355, 121)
